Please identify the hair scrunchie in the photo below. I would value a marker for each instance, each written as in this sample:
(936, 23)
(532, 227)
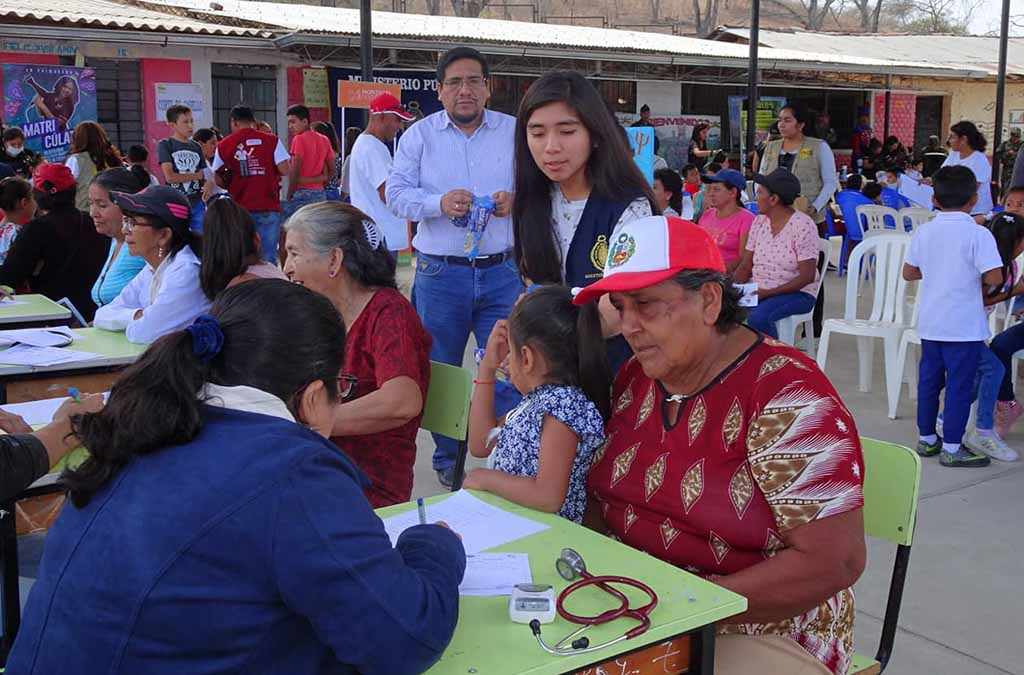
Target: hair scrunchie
(207, 337)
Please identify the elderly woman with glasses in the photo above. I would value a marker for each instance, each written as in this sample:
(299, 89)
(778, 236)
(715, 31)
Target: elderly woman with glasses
(166, 295)
(729, 455)
(338, 252)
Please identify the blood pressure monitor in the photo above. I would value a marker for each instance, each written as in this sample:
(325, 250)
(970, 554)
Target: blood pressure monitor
(532, 601)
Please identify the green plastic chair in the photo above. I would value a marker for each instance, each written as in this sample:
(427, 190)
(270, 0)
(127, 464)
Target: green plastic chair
(892, 480)
(446, 411)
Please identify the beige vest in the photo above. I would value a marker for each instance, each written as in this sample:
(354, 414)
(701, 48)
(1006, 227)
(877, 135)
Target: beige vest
(86, 172)
(805, 167)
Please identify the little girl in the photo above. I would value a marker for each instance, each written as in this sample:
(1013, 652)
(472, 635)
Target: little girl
(555, 356)
(16, 208)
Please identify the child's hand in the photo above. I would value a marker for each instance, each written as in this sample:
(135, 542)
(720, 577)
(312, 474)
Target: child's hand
(497, 347)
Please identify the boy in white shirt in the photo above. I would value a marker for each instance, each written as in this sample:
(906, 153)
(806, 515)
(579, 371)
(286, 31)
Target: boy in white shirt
(953, 257)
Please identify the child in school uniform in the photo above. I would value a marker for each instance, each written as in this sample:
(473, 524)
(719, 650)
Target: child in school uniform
(555, 356)
(953, 257)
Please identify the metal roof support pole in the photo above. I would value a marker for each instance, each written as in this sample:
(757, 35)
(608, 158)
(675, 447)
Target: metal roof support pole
(365, 41)
(888, 106)
(755, 32)
(997, 135)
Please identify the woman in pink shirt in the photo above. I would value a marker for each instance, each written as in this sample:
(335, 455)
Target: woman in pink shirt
(781, 255)
(727, 221)
(231, 248)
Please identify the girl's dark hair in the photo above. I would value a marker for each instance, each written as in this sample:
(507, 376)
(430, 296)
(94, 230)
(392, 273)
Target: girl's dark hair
(327, 129)
(975, 138)
(331, 225)
(731, 314)
(121, 180)
(229, 245)
(155, 406)
(12, 191)
(672, 183)
(803, 116)
(695, 135)
(351, 134)
(54, 201)
(89, 137)
(569, 337)
(1008, 231)
(612, 173)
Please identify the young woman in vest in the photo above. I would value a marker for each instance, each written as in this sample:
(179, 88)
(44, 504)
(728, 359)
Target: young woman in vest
(576, 181)
(809, 158)
(91, 152)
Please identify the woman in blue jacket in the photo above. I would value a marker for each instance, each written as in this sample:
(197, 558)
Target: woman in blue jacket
(223, 533)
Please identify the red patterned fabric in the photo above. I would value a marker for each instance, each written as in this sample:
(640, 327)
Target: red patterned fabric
(765, 449)
(386, 341)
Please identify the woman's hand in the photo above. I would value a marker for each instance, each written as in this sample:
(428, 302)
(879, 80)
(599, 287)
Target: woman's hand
(87, 403)
(13, 424)
(497, 347)
(474, 480)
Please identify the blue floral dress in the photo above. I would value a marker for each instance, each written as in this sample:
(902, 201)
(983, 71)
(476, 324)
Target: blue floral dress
(518, 448)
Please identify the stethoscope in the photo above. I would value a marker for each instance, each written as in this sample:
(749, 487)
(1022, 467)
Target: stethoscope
(570, 565)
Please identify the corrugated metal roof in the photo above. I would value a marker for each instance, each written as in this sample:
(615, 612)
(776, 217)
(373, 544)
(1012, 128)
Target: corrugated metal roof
(975, 52)
(110, 14)
(345, 21)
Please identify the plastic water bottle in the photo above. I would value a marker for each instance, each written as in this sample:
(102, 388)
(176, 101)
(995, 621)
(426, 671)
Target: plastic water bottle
(844, 174)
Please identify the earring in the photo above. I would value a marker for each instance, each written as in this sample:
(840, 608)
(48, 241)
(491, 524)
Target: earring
(160, 252)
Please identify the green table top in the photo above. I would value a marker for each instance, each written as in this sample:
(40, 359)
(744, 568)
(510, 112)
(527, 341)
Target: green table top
(33, 307)
(112, 346)
(487, 642)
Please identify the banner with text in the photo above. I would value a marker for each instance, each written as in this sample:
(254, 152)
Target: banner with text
(418, 92)
(47, 102)
(181, 93)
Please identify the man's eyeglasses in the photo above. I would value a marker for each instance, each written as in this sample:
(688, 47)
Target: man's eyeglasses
(474, 82)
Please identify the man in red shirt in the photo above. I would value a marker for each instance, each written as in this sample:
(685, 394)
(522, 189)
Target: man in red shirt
(249, 164)
(311, 165)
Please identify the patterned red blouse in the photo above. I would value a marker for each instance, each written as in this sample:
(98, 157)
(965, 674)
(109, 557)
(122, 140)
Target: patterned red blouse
(767, 447)
(386, 341)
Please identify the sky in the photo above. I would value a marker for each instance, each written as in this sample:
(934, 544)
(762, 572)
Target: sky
(987, 16)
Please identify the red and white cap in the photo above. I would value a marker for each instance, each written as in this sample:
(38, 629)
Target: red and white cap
(386, 103)
(650, 250)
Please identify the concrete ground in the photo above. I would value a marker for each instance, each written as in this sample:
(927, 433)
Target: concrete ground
(963, 596)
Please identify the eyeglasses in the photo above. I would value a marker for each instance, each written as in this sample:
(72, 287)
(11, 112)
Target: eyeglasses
(474, 82)
(129, 223)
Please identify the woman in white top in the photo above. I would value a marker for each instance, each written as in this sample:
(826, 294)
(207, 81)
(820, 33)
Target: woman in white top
(967, 148)
(166, 295)
(231, 248)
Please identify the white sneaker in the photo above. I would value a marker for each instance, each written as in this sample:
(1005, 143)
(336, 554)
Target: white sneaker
(992, 446)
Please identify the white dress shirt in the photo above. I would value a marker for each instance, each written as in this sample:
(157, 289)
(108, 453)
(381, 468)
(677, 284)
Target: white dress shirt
(170, 297)
(434, 157)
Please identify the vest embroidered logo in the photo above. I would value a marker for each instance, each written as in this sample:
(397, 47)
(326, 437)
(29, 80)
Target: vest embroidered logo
(805, 153)
(599, 253)
(622, 250)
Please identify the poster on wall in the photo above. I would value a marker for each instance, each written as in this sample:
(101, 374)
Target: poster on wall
(674, 133)
(179, 93)
(47, 102)
(768, 108)
(314, 88)
(419, 92)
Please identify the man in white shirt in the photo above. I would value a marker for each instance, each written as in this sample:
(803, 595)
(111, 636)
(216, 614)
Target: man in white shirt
(370, 164)
(954, 257)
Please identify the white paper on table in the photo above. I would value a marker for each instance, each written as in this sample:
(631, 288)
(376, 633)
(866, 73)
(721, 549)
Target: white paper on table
(38, 412)
(480, 525)
(917, 192)
(495, 573)
(749, 294)
(56, 336)
(27, 355)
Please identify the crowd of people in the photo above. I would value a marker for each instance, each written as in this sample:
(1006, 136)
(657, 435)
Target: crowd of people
(621, 382)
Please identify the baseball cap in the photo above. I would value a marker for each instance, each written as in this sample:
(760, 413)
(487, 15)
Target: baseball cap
(647, 251)
(781, 182)
(386, 103)
(161, 201)
(728, 176)
(645, 108)
(1015, 131)
(58, 176)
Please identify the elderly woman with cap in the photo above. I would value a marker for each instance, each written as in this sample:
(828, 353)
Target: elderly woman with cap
(729, 455)
(727, 221)
(166, 295)
(59, 253)
(338, 252)
(781, 255)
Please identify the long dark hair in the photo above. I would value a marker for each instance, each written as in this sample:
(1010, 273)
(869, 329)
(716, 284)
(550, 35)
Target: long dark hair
(327, 129)
(975, 138)
(229, 245)
(611, 170)
(695, 135)
(154, 406)
(90, 137)
(672, 183)
(1008, 231)
(569, 337)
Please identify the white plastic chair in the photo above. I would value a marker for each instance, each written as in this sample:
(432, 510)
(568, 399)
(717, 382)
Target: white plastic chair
(886, 320)
(873, 219)
(787, 327)
(909, 337)
(913, 217)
